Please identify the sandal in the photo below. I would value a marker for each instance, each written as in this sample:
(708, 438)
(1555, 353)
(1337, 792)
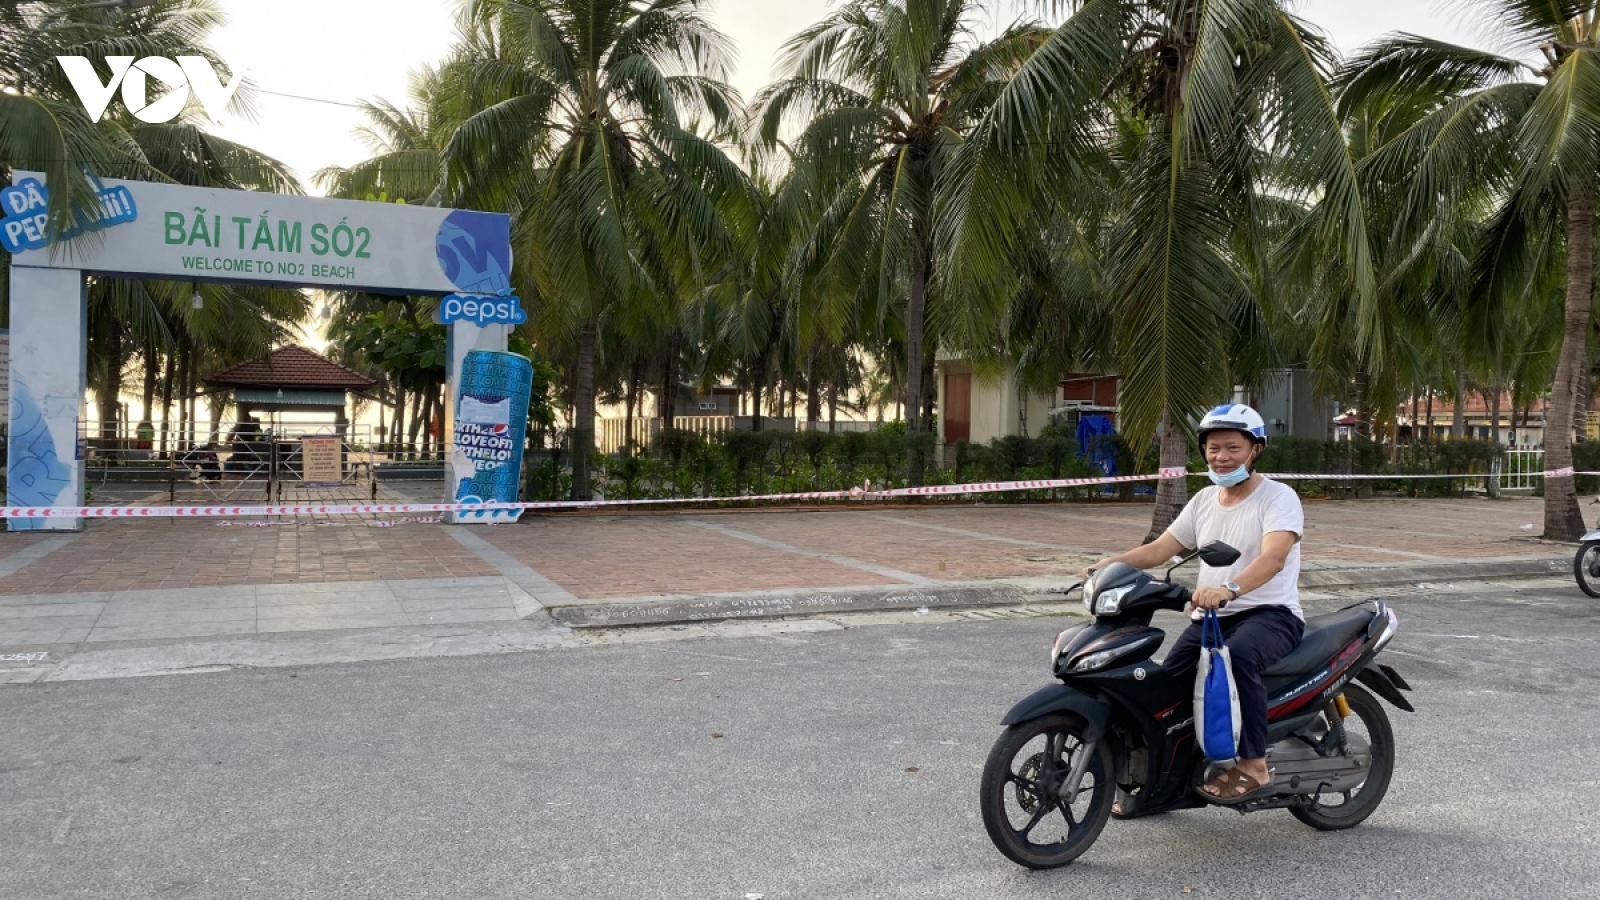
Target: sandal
(1218, 785)
(1235, 787)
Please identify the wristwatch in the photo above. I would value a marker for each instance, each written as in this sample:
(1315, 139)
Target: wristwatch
(1234, 586)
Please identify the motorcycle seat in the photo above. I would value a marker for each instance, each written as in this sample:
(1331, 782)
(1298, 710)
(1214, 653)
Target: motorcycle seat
(1324, 636)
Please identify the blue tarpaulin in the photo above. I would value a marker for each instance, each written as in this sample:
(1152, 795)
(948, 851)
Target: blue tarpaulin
(1094, 443)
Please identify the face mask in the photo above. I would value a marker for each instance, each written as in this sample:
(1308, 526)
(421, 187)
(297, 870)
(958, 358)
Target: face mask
(1237, 476)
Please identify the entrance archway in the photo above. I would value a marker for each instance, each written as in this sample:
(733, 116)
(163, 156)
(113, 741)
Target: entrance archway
(180, 233)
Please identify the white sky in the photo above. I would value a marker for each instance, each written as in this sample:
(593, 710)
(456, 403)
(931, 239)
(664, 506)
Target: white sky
(345, 50)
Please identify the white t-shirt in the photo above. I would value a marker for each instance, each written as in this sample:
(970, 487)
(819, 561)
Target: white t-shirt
(1272, 506)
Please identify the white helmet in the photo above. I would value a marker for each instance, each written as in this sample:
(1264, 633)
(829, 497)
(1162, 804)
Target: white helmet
(1234, 417)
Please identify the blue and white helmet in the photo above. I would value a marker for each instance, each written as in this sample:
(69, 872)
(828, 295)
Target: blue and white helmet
(1234, 417)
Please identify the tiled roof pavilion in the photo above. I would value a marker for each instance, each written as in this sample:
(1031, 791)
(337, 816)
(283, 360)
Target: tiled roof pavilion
(291, 367)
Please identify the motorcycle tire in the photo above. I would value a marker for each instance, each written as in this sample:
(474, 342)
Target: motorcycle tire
(1363, 801)
(1021, 783)
(1586, 568)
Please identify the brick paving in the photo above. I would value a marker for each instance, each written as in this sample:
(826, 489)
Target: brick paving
(608, 556)
(113, 555)
(600, 557)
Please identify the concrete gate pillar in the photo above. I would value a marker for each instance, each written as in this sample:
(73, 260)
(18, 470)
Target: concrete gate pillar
(48, 379)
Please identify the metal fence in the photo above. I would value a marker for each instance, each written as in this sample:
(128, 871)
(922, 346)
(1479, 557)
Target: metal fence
(1521, 470)
(613, 434)
(235, 462)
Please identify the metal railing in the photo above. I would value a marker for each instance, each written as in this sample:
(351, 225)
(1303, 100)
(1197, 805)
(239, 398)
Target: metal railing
(1521, 470)
(613, 434)
(233, 462)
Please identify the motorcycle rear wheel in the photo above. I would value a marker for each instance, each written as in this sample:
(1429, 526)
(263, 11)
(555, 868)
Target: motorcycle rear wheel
(1586, 568)
(1368, 714)
(1029, 821)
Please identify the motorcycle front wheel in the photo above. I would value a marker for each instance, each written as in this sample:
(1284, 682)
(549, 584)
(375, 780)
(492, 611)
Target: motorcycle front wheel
(1586, 568)
(1022, 793)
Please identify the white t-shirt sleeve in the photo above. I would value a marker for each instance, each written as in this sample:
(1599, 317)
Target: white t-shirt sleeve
(1283, 512)
(1183, 527)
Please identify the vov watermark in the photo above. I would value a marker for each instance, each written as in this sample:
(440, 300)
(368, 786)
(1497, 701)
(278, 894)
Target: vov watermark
(187, 73)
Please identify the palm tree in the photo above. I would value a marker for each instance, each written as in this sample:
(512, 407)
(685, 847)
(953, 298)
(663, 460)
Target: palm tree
(407, 165)
(884, 93)
(583, 128)
(1553, 130)
(1217, 107)
(43, 128)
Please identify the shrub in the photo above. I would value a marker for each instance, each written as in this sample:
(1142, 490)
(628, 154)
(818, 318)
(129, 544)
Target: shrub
(1056, 453)
(852, 449)
(972, 462)
(1013, 453)
(813, 446)
(746, 450)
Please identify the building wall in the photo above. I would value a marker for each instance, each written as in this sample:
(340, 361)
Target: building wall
(1291, 407)
(996, 408)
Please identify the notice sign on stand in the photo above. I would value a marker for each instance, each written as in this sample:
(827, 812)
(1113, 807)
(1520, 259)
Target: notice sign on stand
(322, 461)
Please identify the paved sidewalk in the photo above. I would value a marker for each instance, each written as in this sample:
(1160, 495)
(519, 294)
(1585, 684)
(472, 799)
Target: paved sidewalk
(120, 583)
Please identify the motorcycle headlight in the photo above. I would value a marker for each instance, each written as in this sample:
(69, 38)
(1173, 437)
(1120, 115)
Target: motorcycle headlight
(1097, 660)
(1109, 601)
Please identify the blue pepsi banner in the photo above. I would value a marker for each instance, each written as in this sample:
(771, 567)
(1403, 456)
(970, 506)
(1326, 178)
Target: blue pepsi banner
(490, 422)
(24, 207)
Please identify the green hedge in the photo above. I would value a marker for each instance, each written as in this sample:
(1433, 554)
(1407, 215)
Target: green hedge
(680, 463)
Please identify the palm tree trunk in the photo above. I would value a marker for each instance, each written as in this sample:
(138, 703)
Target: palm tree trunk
(1171, 493)
(914, 320)
(583, 413)
(1430, 414)
(1562, 519)
(1580, 406)
(630, 402)
(412, 435)
(185, 368)
(111, 381)
(1364, 426)
(1494, 411)
(1458, 418)
(397, 428)
(756, 390)
(813, 396)
(150, 372)
(215, 402)
(669, 380)
(166, 398)
(833, 405)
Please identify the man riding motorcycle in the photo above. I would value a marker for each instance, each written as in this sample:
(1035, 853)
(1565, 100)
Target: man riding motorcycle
(1257, 597)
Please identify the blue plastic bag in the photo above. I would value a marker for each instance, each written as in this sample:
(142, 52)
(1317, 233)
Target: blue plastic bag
(1216, 697)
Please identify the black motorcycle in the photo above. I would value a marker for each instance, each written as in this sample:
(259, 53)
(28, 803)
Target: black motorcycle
(1118, 730)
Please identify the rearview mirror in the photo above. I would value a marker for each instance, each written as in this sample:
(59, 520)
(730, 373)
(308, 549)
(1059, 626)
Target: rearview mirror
(1217, 554)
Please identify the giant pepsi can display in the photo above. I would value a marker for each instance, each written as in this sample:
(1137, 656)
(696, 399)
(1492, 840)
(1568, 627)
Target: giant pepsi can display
(491, 419)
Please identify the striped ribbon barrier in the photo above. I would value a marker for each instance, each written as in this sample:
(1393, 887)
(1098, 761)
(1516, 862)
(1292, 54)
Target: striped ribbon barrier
(862, 493)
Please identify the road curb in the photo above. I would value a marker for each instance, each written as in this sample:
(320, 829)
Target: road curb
(1465, 570)
(805, 602)
(689, 609)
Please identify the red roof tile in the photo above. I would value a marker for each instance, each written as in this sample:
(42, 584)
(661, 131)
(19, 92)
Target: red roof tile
(291, 367)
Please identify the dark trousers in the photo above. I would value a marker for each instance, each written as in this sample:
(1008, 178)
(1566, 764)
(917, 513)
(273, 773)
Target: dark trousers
(1256, 639)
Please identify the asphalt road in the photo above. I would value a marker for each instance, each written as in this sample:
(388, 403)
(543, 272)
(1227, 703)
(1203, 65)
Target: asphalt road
(775, 767)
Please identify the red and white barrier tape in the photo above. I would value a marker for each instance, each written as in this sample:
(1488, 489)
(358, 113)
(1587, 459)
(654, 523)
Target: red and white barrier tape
(857, 493)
